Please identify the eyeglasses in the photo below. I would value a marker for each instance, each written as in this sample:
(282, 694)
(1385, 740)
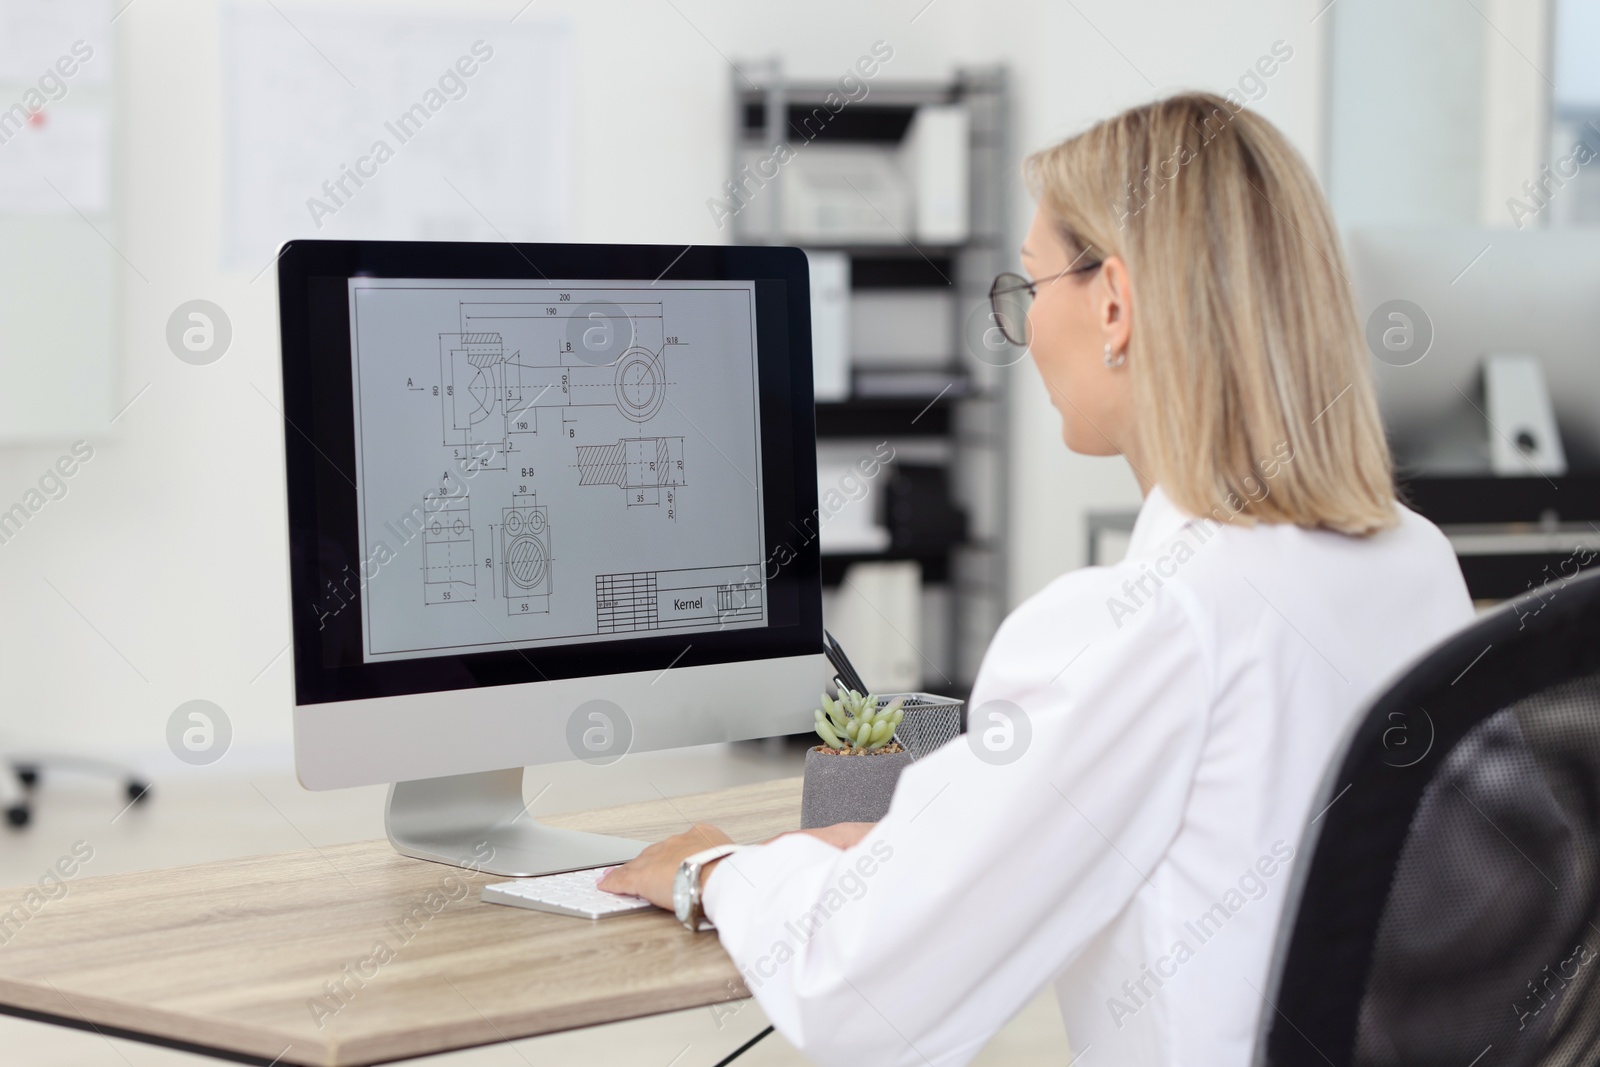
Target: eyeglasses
(1012, 295)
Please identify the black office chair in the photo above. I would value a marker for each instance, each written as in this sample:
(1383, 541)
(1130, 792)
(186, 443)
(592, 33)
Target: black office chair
(1446, 906)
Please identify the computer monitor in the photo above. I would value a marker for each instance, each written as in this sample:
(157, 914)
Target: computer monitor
(1479, 292)
(546, 502)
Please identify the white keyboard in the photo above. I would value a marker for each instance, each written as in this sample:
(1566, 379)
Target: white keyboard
(573, 893)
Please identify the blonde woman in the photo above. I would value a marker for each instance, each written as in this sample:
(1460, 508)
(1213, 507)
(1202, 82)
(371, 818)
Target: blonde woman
(1169, 717)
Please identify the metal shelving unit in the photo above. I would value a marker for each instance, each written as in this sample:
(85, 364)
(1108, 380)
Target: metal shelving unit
(964, 424)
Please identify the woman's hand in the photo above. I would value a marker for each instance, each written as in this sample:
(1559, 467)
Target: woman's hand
(651, 873)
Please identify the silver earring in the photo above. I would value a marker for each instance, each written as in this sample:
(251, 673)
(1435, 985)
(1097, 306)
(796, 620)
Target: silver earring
(1115, 360)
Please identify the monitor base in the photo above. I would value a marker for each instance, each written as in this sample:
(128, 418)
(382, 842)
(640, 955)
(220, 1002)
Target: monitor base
(479, 821)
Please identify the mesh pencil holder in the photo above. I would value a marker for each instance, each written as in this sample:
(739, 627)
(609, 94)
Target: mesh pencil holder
(928, 721)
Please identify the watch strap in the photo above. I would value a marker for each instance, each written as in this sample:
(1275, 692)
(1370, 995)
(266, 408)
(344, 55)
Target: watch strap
(691, 867)
(715, 852)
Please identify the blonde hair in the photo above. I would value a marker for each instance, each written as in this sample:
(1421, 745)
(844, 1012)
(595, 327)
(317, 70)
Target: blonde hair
(1253, 394)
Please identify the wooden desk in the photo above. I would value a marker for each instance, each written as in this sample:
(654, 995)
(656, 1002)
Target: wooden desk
(240, 959)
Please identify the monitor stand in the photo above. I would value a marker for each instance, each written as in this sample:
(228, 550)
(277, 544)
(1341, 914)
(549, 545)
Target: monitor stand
(480, 822)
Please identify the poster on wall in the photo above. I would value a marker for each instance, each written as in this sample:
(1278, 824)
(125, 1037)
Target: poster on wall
(53, 45)
(391, 125)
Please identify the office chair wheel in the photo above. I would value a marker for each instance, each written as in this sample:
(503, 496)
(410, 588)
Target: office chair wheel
(28, 774)
(138, 791)
(18, 815)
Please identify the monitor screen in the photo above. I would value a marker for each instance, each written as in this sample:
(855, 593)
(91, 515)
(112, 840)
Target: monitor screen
(556, 463)
(497, 478)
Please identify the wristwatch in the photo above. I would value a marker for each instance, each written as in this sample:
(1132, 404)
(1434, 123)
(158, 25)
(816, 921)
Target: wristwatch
(686, 886)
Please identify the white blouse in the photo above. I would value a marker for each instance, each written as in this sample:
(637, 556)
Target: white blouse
(1168, 720)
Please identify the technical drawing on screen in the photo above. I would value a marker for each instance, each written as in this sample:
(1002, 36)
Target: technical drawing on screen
(552, 462)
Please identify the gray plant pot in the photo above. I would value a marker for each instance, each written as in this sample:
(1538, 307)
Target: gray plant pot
(848, 788)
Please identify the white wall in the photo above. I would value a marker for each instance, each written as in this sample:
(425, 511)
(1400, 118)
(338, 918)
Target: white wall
(1406, 116)
(1516, 93)
(160, 577)
(1438, 111)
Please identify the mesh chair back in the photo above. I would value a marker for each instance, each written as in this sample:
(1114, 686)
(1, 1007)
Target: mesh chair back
(1450, 910)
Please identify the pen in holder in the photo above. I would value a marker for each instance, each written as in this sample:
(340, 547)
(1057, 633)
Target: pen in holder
(929, 720)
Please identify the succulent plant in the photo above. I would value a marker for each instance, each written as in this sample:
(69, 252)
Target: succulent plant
(854, 723)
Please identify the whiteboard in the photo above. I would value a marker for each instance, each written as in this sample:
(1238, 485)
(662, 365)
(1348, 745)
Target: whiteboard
(312, 94)
(59, 163)
(59, 274)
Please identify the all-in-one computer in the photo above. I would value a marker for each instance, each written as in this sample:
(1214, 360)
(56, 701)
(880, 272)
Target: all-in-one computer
(545, 502)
